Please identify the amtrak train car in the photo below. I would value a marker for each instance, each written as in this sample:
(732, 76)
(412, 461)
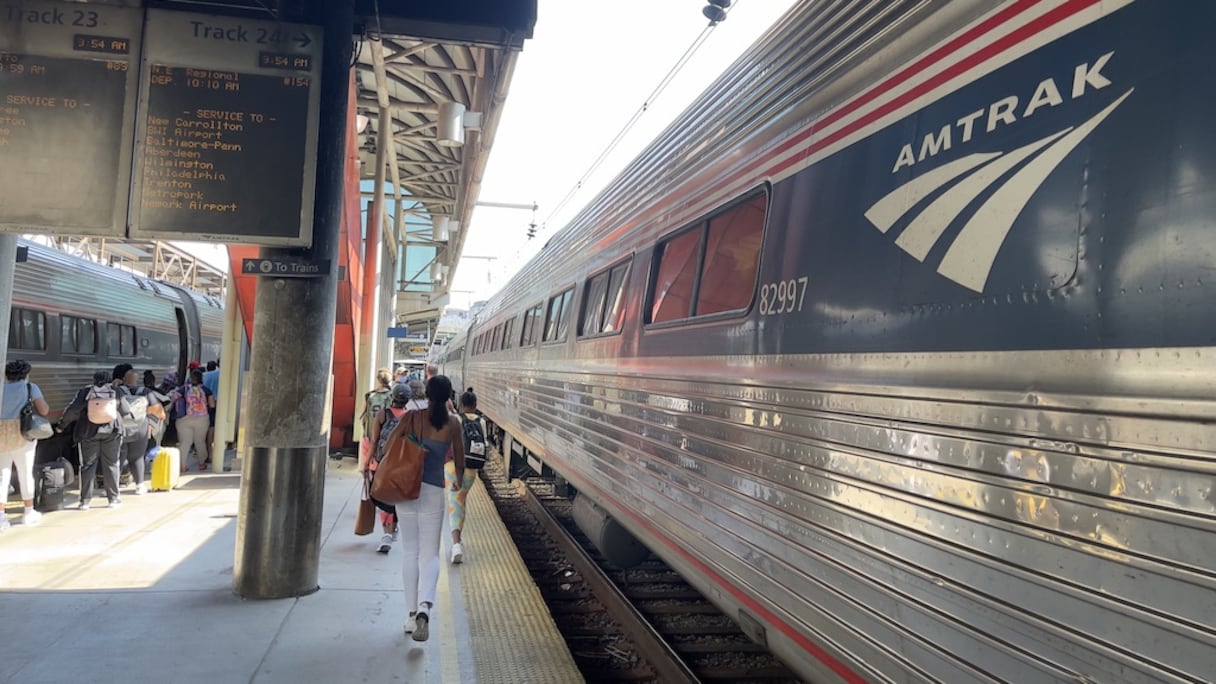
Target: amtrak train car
(72, 317)
(899, 343)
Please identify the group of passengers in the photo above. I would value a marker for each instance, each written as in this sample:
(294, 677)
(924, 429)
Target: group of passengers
(418, 523)
(112, 421)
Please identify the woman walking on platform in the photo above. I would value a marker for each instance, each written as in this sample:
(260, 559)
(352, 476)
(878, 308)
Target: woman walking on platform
(421, 520)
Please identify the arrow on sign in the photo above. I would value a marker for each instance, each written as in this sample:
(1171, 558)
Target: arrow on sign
(303, 39)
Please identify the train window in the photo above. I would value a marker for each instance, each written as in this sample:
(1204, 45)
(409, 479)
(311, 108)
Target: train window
(732, 257)
(710, 268)
(593, 304)
(121, 339)
(614, 310)
(27, 330)
(528, 334)
(497, 338)
(603, 302)
(676, 276)
(508, 333)
(558, 321)
(77, 335)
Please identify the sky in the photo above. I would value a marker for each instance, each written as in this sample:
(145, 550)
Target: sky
(587, 70)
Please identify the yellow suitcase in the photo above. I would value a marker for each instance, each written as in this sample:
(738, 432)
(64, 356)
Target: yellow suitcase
(166, 468)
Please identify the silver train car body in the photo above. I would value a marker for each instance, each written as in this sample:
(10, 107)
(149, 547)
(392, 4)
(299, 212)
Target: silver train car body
(72, 317)
(955, 424)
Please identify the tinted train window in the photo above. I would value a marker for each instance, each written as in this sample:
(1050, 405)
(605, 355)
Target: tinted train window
(121, 339)
(712, 267)
(27, 330)
(604, 302)
(558, 321)
(676, 276)
(732, 257)
(77, 335)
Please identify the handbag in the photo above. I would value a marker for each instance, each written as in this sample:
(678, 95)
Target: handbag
(365, 518)
(399, 475)
(34, 425)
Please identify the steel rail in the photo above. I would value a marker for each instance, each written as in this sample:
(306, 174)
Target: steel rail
(669, 667)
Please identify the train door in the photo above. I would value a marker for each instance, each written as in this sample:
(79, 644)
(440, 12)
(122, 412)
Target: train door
(183, 342)
(189, 331)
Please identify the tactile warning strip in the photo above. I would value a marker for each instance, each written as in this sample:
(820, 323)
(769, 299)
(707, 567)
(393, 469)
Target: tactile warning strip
(513, 635)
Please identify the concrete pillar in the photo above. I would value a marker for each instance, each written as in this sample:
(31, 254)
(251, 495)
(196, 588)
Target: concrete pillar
(278, 540)
(8, 270)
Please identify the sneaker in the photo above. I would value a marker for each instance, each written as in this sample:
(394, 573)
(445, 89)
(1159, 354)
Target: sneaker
(421, 627)
(4, 524)
(386, 543)
(457, 553)
(116, 503)
(409, 624)
(31, 517)
(141, 489)
(83, 506)
(396, 535)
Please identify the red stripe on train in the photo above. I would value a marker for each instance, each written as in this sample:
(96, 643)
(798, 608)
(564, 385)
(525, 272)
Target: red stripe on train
(1037, 26)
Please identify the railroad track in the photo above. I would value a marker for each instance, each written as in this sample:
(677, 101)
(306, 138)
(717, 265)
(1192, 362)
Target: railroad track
(645, 624)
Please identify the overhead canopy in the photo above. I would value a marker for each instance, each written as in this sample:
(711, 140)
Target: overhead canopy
(440, 70)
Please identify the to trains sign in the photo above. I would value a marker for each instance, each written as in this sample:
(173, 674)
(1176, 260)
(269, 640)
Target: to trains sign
(281, 268)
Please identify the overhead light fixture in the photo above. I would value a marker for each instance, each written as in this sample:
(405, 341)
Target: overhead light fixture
(440, 228)
(453, 120)
(361, 122)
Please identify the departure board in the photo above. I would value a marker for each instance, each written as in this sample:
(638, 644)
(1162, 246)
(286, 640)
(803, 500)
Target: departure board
(226, 140)
(67, 101)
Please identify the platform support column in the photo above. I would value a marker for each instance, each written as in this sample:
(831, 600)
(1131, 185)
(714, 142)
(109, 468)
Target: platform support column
(278, 539)
(8, 271)
(230, 374)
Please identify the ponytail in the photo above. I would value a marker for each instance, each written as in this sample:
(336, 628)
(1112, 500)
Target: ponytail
(438, 391)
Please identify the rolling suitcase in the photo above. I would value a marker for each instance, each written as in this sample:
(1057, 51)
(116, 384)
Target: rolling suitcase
(50, 480)
(166, 468)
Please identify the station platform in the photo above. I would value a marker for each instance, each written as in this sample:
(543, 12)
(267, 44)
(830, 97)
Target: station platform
(143, 593)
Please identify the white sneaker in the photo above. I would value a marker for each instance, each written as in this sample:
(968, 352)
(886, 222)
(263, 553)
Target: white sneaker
(386, 543)
(421, 627)
(31, 517)
(409, 624)
(4, 524)
(457, 553)
(141, 489)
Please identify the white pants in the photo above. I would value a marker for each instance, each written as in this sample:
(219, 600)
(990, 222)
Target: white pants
(23, 456)
(420, 522)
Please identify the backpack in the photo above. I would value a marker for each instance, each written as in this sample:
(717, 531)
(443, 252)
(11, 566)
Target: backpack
(138, 403)
(391, 418)
(474, 442)
(102, 405)
(196, 400)
(373, 403)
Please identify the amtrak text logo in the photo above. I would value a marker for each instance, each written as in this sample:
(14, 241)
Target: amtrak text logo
(969, 259)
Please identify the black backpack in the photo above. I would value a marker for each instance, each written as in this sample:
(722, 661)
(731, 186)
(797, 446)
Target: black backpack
(474, 442)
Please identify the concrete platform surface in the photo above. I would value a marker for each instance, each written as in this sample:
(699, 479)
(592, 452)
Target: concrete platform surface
(143, 593)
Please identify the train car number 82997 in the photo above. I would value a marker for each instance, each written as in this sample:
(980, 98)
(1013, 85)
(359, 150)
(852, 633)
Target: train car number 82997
(784, 296)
